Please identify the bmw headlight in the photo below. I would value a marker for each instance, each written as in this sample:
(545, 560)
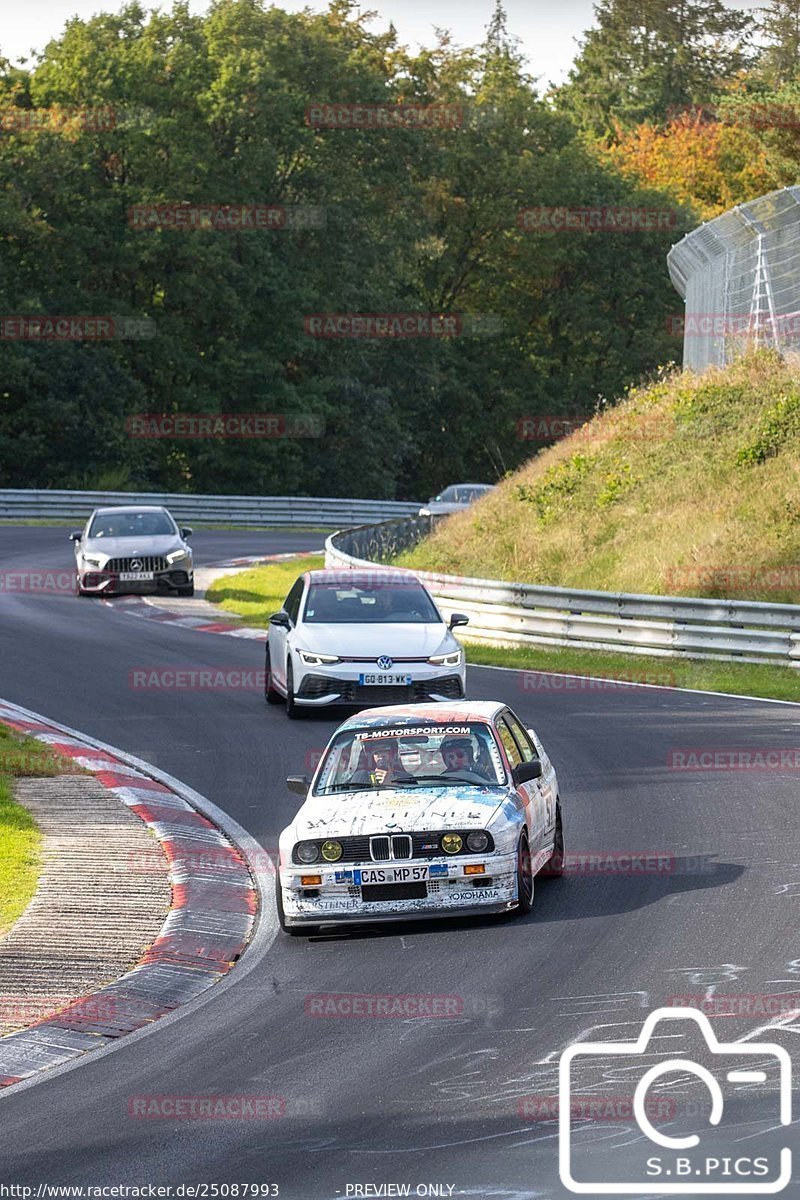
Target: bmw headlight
(332, 851)
(316, 660)
(452, 843)
(176, 555)
(477, 841)
(447, 660)
(307, 852)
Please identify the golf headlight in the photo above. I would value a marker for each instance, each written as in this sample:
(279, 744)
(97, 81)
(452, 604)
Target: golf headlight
(477, 841)
(452, 843)
(175, 555)
(447, 660)
(92, 560)
(307, 852)
(316, 660)
(332, 851)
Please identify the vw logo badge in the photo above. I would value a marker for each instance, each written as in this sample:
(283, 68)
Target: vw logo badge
(136, 565)
(385, 663)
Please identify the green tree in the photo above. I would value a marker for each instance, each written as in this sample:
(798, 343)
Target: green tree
(646, 59)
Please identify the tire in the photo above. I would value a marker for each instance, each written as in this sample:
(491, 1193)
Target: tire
(524, 877)
(556, 861)
(292, 930)
(292, 709)
(186, 591)
(270, 695)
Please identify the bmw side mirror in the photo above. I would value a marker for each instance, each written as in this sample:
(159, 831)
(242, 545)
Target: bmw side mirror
(298, 783)
(527, 771)
(281, 619)
(75, 537)
(187, 531)
(458, 619)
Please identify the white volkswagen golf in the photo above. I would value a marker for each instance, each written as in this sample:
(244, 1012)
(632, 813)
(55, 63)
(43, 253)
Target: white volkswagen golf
(361, 638)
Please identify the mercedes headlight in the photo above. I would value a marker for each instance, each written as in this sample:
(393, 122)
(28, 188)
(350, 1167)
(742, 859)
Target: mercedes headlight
(452, 843)
(316, 660)
(332, 851)
(176, 555)
(307, 852)
(92, 560)
(447, 660)
(477, 841)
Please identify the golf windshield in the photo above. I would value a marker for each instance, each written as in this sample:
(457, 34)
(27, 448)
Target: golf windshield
(410, 757)
(375, 602)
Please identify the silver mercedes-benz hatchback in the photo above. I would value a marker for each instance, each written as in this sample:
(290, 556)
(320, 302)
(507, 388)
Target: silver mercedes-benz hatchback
(133, 549)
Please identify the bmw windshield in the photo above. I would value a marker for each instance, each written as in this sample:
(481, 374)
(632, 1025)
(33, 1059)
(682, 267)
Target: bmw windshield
(410, 757)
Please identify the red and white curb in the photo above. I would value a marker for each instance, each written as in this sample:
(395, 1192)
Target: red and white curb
(136, 606)
(215, 901)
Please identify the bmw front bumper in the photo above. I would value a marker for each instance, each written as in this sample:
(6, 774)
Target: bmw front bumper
(448, 891)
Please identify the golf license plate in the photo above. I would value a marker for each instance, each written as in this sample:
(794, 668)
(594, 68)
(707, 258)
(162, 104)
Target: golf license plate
(134, 576)
(381, 680)
(391, 875)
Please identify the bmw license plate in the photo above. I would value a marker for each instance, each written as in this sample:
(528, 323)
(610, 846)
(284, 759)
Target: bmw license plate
(391, 875)
(133, 576)
(383, 679)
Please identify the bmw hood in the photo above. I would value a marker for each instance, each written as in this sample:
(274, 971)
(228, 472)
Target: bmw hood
(414, 810)
(131, 547)
(370, 641)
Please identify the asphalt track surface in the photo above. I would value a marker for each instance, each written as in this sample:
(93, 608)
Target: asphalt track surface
(416, 1101)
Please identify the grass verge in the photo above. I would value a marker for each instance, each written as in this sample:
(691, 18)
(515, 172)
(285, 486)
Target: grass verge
(20, 839)
(256, 594)
(740, 679)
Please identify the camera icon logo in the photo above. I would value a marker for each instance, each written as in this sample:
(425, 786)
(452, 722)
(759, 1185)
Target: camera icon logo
(676, 1170)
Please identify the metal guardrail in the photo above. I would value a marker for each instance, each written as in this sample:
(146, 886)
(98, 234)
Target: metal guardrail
(520, 614)
(262, 512)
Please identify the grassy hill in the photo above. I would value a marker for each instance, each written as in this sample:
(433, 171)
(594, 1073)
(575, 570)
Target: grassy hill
(689, 486)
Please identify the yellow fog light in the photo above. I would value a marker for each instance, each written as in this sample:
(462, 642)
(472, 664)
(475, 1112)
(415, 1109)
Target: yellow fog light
(332, 851)
(311, 880)
(452, 843)
(475, 869)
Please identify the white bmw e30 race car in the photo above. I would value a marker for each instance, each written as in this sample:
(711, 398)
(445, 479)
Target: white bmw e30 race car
(421, 810)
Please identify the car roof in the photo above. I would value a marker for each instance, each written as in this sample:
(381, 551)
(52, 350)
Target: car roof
(446, 714)
(356, 577)
(123, 508)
